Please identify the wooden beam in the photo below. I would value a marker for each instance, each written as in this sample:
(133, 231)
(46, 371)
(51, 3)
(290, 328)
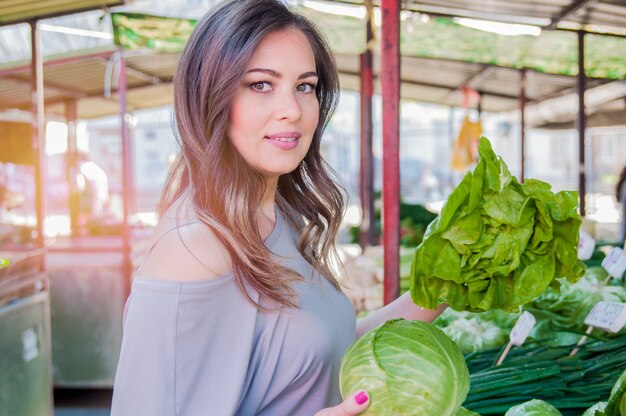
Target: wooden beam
(573, 7)
(49, 86)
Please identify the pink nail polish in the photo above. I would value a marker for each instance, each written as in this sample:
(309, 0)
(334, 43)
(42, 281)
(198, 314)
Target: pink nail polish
(361, 398)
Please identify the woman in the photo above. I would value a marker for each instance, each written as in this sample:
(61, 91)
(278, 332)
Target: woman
(235, 309)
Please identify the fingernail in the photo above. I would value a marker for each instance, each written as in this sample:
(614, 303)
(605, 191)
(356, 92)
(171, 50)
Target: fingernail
(361, 398)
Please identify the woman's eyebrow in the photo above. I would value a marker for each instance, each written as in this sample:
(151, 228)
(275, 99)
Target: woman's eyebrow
(278, 75)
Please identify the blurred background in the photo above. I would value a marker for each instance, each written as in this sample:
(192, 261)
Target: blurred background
(85, 149)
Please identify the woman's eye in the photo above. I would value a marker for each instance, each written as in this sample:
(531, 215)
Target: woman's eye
(260, 86)
(306, 87)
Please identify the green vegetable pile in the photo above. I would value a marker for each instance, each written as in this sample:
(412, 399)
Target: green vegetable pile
(561, 314)
(497, 243)
(409, 368)
(536, 371)
(476, 332)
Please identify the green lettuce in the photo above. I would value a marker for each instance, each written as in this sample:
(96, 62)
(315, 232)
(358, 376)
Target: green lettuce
(474, 332)
(409, 368)
(496, 243)
(561, 314)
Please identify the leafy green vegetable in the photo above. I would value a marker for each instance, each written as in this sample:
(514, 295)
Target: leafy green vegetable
(533, 408)
(616, 405)
(595, 409)
(497, 243)
(409, 368)
(561, 314)
(474, 332)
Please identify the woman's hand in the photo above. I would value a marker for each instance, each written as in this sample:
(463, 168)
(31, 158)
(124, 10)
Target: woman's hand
(354, 405)
(403, 307)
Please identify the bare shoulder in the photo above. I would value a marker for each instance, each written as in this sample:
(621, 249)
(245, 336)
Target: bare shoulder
(185, 251)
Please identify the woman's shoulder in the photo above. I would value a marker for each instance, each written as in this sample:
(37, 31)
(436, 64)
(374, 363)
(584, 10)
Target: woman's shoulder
(185, 250)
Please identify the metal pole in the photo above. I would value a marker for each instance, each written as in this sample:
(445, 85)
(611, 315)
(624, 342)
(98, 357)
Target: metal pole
(522, 109)
(390, 81)
(581, 120)
(127, 194)
(39, 161)
(367, 235)
(38, 138)
(71, 166)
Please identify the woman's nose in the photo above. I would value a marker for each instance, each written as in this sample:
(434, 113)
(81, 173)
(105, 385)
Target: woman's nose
(288, 106)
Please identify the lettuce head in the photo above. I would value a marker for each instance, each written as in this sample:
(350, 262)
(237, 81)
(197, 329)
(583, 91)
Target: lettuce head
(497, 243)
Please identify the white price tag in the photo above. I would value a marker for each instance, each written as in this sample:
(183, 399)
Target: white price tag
(615, 262)
(30, 349)
(522, 328)
(586, 245)
(610, 316)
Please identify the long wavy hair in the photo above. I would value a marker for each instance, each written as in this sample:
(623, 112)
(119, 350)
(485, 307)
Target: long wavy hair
(225, 191)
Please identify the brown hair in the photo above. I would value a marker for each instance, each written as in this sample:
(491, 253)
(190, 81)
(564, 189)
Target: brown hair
(225, 191)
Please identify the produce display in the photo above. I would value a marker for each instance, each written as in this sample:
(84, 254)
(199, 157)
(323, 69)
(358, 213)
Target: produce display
(561, 314)
(500, 248)
(409, 368)
(538, 371)
(497, 243)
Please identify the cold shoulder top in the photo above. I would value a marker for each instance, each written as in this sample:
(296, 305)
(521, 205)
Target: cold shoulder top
(200, 348)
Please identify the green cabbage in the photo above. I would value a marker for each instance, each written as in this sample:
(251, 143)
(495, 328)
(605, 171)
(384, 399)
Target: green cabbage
(497, 243)
(533, 408)
(616, 405)
(595, 409)
(409, 368)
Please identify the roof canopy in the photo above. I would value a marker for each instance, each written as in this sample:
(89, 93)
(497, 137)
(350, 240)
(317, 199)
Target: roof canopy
(19, 11)
(440, 55)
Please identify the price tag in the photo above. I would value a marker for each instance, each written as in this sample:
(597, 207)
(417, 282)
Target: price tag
(586, 245)
(522, 328)
(615, 262)
(610, 316)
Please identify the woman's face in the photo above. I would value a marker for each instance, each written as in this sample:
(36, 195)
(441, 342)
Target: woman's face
(275, 111)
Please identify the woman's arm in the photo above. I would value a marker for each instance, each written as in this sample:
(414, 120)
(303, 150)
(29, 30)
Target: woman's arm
(403, 307)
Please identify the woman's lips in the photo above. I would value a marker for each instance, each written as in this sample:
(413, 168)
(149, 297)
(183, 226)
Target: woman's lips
(284, 140)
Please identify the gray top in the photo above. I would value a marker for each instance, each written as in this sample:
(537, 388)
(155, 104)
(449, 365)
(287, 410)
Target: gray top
(200, 348)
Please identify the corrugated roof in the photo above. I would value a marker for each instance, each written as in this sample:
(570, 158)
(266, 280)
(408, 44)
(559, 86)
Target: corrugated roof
(91, 80)
(17, 11)
(600, 16)
(424, 78)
